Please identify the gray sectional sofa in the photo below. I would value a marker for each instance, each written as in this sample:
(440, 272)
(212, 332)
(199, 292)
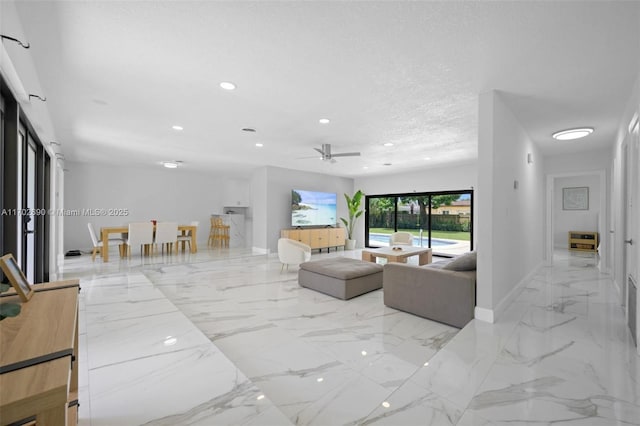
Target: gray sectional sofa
(441, 291)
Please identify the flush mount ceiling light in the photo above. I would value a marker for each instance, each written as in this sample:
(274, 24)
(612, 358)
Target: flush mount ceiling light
(227, 85)
(570, 134)
(177, 127)
(388, 144)
(324, 121)
(259, 145)
(171, 164)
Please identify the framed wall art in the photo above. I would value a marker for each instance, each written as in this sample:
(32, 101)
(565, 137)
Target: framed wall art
(16, 277)
(576, 198)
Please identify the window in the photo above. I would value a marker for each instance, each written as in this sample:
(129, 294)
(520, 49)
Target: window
(448, 232)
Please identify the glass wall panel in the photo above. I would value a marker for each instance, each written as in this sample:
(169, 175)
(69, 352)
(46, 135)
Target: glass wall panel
(440, 220)
(413, 217)
(451, 223)
(380, 214)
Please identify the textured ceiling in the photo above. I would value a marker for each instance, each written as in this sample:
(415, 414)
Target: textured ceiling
(118, 75)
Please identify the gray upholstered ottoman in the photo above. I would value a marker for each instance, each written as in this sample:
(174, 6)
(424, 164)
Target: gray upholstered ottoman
(340, 277)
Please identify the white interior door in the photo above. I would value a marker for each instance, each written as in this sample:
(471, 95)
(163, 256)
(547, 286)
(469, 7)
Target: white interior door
(632, 227)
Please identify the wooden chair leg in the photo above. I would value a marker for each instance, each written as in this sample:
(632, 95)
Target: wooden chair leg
(93, 255)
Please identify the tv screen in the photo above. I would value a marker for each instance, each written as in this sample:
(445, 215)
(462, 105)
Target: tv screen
(313, 208)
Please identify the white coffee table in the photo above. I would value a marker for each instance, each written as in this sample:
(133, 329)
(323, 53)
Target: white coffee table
(400, 256)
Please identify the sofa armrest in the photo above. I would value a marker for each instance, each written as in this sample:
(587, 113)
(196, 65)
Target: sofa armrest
(437, 294)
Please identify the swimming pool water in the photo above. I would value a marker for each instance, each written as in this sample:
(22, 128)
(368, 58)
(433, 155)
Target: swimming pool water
(384, 239)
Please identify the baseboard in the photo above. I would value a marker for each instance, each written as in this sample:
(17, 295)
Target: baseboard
(515, 291)
(618, 288)
(491, 315)
(483, 314)
(259, 250)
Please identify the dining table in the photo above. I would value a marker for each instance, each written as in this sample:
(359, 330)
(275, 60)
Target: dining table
(105, 231)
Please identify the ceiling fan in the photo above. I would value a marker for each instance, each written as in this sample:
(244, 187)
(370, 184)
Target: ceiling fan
(327, 155)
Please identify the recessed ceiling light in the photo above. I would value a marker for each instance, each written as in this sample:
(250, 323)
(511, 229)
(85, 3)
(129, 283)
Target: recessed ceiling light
(365, 167)
(172, 164)
(571, 134)
(259, 145)
(427, 158)
(387, 164)
(324, 121)
(388, 144)
(177, 127)
(227, 85)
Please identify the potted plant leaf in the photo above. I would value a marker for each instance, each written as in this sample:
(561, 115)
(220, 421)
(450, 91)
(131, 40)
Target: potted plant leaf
(8, 309)
(353, 206)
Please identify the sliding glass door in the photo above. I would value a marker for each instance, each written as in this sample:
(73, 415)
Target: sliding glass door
(380, 216)
(440, 220)
(24, 190)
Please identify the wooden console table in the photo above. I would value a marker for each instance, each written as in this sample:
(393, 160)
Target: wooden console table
(583, 241)
(38, 361)
(317, 238)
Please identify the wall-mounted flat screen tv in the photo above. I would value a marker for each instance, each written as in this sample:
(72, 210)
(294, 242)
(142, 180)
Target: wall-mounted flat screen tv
(313, 208)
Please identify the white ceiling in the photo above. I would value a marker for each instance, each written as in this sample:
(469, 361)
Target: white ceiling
(118, 75)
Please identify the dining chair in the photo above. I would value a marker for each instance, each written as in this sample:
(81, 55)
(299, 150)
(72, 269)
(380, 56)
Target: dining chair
(140, 234)
(187, 237)
(166, 234)
(97, 243)
(219, 233)
(213, 231)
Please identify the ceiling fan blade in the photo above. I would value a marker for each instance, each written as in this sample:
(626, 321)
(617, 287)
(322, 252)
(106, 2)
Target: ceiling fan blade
(318, 157)
(319, 150)
(346, 154)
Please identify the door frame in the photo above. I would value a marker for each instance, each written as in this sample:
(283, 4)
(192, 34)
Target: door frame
(602, 217)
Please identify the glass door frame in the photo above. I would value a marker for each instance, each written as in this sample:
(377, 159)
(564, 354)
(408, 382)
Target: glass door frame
(430, 194)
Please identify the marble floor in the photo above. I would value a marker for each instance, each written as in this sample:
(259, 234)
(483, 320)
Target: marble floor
(223, 337)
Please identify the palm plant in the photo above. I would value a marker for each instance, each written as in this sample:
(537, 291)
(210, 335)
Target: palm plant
(353, 205)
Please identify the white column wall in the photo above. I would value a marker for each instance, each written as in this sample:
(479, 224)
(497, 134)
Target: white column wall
(259, 209)
(510, 211)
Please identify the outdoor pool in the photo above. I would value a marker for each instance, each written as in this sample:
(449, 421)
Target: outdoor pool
(384, 240)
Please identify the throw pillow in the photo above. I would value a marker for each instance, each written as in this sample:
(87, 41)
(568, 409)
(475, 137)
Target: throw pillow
(466, 262)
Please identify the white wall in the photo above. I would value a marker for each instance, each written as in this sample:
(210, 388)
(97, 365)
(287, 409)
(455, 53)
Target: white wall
(259, 201)
(575, 220)
(578, 162)
(510, 221)
(277, 183)
(581, 164)
(464, 176)
(148, 193)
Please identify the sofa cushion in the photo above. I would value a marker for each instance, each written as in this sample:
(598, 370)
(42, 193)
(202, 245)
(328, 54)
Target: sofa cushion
(342, 267)
(437, 265)
(466, 262)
